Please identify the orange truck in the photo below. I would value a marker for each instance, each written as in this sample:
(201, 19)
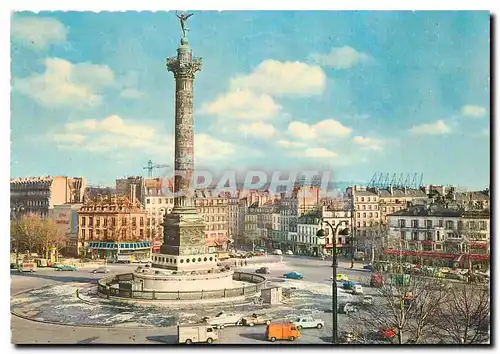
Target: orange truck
(282, 330)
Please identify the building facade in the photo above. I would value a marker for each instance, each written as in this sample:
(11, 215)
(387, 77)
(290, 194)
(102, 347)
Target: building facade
(434, 232)
(213, 207)
(111, 219)
(39, 194)
(156, 207)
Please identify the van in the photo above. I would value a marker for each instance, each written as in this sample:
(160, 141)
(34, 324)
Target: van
(282, 330)
(193, 333)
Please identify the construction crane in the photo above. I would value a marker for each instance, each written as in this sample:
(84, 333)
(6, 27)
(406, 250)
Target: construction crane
(151, 166)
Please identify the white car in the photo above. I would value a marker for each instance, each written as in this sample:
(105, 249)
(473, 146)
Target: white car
(308, 322)
(225, 319)
(289, 253)
(277, 252)
(357, 289)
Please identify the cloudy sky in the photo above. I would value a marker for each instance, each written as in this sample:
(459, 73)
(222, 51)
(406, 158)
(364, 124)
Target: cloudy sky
(352, 92)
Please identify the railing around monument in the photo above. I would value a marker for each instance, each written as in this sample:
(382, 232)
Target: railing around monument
(105, 289)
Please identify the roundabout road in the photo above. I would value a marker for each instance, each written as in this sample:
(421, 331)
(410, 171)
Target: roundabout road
(314, 296)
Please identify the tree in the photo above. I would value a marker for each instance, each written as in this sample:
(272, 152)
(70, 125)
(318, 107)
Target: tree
(465, 316)
(50, 237)
(409, 305)
(378, 238)
(25, 232)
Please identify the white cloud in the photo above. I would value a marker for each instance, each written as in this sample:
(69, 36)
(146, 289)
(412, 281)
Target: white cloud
(208, 148)
(291, 144)
(319, 152)
(437, 128)
(278, 78)
(64, 84)
(242, 105)
(131, 93)
(474, 111)
(38, 32)
(322, 129)
(258, 130)
(110, 133)
(341, 58)
(368, 143)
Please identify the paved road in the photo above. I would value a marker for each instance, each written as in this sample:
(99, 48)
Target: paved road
(315, 272)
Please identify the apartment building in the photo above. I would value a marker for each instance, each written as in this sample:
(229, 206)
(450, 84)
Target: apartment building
(214, 209)
(112, 219)
(65, 217)
(433, 231)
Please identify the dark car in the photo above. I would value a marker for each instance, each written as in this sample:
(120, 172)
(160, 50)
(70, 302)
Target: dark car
(368, 266)
(263, 270)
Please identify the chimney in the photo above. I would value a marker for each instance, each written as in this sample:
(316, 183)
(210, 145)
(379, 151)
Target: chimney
(390, 189)
(132, 192)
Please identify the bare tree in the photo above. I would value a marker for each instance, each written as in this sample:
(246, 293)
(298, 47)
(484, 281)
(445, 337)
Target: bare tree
(50, 237)
(408, 305)
(378, 238)
(465, 316)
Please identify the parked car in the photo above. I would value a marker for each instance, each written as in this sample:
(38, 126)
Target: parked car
(65, 268)
(289, 253)
(293, 275)
(277, 252)
(224, 318)
(368, 267)
(256, 319)
(101, 270)
(258, 253)
(347, 308)
(342, 277)
(308, 322)
(387, 332)
(367, 300)
(348, 285)
(357, 289)
(263, 270)
(377, 280)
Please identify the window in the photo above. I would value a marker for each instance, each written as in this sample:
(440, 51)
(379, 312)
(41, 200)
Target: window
(105, 221)
(428, 223)
(84, 219)
(414, 236)
(414, 223)
(482, 225)
(91, 234)
(83, 233)
(124, 221)
(364, 207)
(362, 199)
(403, 235)
(147, 201)
(98, 222)
(370, 215)
(376, 215)
(141, 222)
(105, 233)
(113, 221)
(440, 223)
(370, 207)
(428, 236)
(364, 215)
(91, 221)
(402, 222)
(450, 225)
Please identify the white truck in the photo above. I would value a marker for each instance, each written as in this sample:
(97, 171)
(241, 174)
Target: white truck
(196, 333)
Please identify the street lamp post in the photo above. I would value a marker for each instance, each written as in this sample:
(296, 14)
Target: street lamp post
(321, 234)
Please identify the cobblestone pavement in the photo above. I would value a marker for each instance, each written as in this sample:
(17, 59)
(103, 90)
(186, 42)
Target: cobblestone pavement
(155, 323)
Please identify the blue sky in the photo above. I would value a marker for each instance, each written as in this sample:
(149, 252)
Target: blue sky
(353, 92)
